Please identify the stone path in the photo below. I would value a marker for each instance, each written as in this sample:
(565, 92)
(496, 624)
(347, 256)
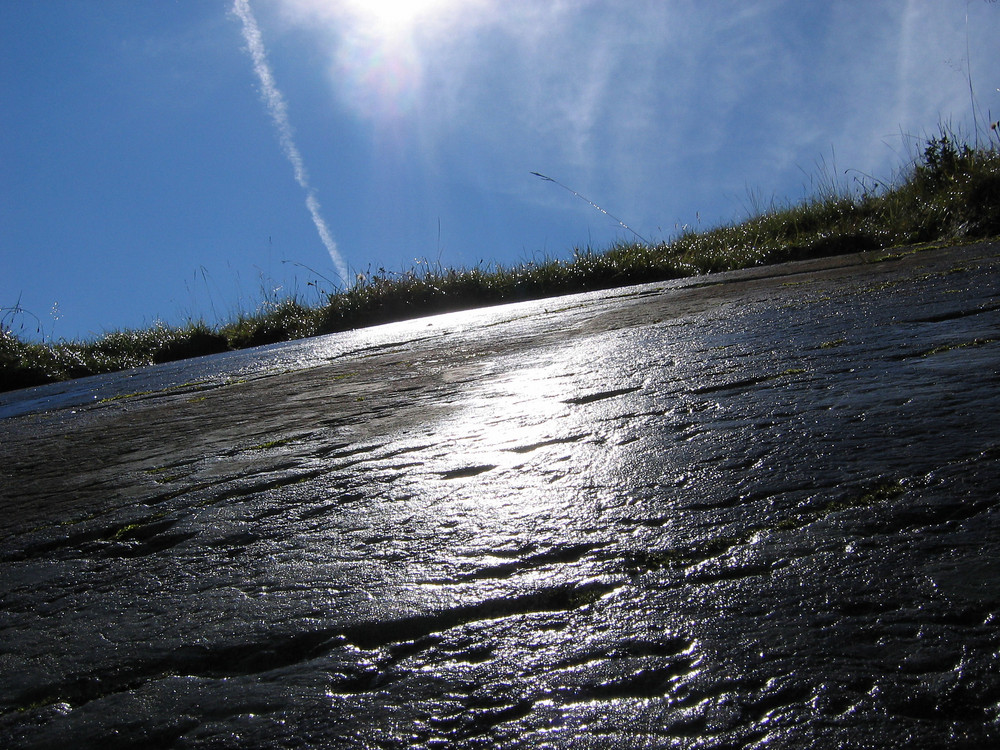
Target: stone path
(753, 509)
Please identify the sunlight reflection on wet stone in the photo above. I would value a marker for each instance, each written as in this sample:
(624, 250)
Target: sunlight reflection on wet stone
(603, 524)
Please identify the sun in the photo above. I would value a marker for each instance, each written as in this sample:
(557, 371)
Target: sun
(394, 16)
(382, 50)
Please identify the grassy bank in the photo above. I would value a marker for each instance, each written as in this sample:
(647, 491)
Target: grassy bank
(952, 192)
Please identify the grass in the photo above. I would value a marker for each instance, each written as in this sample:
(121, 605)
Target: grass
(950, 193)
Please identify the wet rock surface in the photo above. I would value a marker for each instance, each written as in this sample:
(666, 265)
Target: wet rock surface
(755, 509)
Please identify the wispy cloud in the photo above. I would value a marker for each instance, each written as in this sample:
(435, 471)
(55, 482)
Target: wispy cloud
(656, 110)
(278, 109)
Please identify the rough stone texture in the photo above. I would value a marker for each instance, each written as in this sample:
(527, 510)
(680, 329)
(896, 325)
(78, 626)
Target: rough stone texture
(752, 509)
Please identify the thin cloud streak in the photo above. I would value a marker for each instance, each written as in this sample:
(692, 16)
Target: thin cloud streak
(278, 109)
(663, 112)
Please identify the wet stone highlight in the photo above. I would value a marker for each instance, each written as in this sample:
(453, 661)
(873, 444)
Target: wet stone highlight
(758, 509)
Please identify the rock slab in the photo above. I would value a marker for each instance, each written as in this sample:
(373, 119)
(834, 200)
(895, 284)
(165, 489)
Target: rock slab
(746, 510)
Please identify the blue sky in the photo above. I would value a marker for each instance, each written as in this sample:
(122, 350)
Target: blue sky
(148, 172)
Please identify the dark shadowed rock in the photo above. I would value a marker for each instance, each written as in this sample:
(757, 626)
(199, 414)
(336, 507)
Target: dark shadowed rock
(759, 509)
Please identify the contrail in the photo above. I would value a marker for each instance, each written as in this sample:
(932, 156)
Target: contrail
(278, 110)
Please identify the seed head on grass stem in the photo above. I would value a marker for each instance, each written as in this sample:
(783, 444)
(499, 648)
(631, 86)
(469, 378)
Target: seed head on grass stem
(622, 223)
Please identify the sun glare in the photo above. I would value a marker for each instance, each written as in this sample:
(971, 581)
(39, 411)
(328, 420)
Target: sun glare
(393, 16)
(382, 49)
